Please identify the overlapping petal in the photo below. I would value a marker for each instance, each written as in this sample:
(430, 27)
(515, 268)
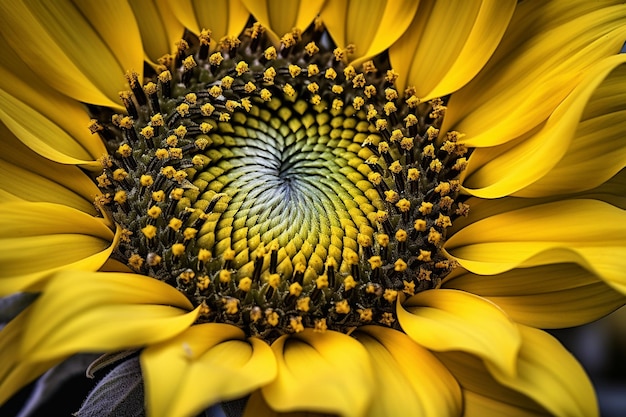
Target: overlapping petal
(444, 320)
(587, 232)
(547, 377)
(158, 26)
(40, 238)
(563, 154)
(15, 370)
(547, 296)
(447, 44)
(82, 311)
(323, 372)
(410, 380)
(26, 176)
(280, 17)
(204, 365)
(222, 17)
(370, 26)
(542, 57)
(81, 49)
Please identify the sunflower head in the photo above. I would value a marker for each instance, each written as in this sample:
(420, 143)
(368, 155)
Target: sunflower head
(280, 189)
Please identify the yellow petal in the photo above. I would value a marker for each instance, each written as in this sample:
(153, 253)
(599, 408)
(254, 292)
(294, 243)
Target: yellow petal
(504, 170)
(322, 372)
(410, 380)
(371, 26)
(83, 311)
(15, 371)
(548, 296)
(81, 49)
(443, 320)
(24, 175)
(477, 405)
(541, 58)
(548, 377)
(40, 238)
(67, 137)
(597, 150)
(551, 376)
(221, 17)
(158, 26)
(588, 232)
(282, 16)
(204, 365)
(448, 43)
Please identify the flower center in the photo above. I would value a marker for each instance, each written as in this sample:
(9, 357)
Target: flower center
(280, 190)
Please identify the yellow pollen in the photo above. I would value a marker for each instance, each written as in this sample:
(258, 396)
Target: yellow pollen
(270, 53)
(224, 276)
(207, 109)
(400, 266)
(120, 197)
(149, 231)
(303, 304)
(231, 305)
(320, 326)
(358, 102)
(169, 171)
(189, 63)
(364, 240)
(391, 94)
(224, 117)
(401, 235)
(391, 196)
(424, 256)
(165, 76)
(349, 283)
(426, 208)
(434, 236)
(265, 94)
(271, 317)
(311, 48)
(153, 259)
(147, 132)
(241, 68)
(420, 225)
(410, 120)
(349, 72)
(312, 70)
(337, 104)
(295, 289)
(125, 150)
(330, 74)
(322, 281)
(273, 280)
(158, 196)
(436, 165)
(391, 76)
(365, 315)
(190, 233)
(369, 91)
(204, 309)
(203, 282)
(154, 212)
(269, 74)
(382, 239)
(342, 307)
(175, 153)
(404, 205)
(358, 81)
(191, 98)
(135, 261)
(409, 287)
(313, 87)
(294, 70)
(337, 89)
(375, 262)
(215, 91)
(390, 295)
(381, 124)
(245, 284)
(388, 319)
(296, 324)
(180, 131)
(175, 224)
(443, 221)
(204, 255)
(178, 249)
(289, 91)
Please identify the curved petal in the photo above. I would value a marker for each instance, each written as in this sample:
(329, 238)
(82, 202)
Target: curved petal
(547, 296)
(504, 170)
(26, 176)
(448, 43)
(40, 238)
(30, 108)
(82, 49)
(204, 365)
(372, 26)
(280, 17)
(477, 405)
(83, 311)
(587, 232)
(158, 26)
(547, 377)
(443, 320)
(410, 380)
(15, 371)
(322, 372)
(221, 17)
(546, 50)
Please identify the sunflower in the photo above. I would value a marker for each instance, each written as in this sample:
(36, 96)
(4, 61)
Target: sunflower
(355, 208)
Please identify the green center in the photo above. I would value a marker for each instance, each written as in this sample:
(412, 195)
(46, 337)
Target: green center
(280, 190)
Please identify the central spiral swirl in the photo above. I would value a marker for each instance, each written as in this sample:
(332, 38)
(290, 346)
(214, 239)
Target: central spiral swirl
(293, 179)
(276, 195)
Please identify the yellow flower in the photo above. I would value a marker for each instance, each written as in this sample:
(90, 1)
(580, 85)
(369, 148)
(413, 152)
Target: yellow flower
(358, 208)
